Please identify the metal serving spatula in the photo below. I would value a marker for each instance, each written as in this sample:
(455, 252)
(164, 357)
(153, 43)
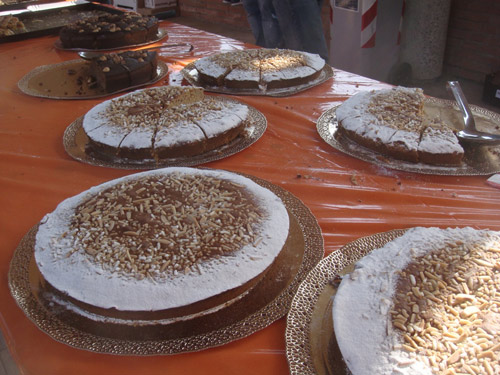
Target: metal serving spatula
(470, 133)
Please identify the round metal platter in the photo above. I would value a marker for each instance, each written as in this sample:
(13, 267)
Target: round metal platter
(478, 160)
(75, 141)
(66, 80)
(311, 347)
(268, 301)
(190, 73)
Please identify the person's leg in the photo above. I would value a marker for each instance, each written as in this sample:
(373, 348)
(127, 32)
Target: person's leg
(254, 19)
(307, 17)
(270, 26)
(289, 30)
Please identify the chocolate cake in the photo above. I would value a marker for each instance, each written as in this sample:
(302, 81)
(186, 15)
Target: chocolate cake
(425, 303)
(117, 71)
(108, 31)
(392, 122)
(162, 122)
(259, 69)
(164, 245)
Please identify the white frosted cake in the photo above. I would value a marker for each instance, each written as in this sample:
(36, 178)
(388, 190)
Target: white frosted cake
(162, 122)
(161, 244)
(392, 122)
(259, 69)
(425, 303)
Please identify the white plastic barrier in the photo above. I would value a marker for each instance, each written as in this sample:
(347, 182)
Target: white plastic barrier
(365, 36)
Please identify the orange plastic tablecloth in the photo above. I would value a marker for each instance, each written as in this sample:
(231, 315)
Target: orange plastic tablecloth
(350, 198)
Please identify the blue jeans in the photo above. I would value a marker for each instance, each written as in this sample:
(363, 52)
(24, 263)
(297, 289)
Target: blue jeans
(291, 24)
(263, 22)
(307, 18)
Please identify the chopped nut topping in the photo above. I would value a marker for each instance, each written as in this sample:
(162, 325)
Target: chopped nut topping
(260, 60)
(151, 108)
(400, 111)
(455, 325)
(165, 225)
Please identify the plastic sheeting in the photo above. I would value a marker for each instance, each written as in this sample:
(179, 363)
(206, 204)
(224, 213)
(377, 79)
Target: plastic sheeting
(350, 198)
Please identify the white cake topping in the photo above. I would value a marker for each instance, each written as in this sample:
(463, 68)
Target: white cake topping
(354, 117)
(314, 61)
(367, 322)
(222, 120)
(439, 140)
(243, 75)
(79, 268)
(210, 68)
(406, 139)
(185, 132)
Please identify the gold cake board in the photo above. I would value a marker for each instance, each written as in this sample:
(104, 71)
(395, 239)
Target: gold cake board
(267, 302)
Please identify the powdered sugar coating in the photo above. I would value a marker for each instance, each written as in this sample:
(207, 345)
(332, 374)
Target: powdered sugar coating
(439, 141)
(362, 305)
(314, 61)
(98, 126)
(217, 122)
(185, 132)
(138, 138)
(238, 75)
(354, 117)
(86, 281)
(210, 68)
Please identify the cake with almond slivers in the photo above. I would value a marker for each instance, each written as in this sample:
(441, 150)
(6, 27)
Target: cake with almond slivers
(392, 122)
(160, 246)
(259, 69)
(424, 303)
(162, 122)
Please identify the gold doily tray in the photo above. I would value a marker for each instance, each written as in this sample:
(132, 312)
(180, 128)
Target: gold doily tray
(311, 347)
(68, 80)
(267, 302)
(478, 160)
(75, 141)
(162, 34)
(190, 73)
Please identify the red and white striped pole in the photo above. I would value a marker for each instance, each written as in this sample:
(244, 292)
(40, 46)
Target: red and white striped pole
(368, 23)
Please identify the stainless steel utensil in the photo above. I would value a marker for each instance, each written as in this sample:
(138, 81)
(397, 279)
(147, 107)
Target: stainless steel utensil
(89, 55)
(470, 133)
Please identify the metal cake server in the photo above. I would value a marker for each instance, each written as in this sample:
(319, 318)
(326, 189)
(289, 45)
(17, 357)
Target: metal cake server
(89, 55)
(470, 133)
